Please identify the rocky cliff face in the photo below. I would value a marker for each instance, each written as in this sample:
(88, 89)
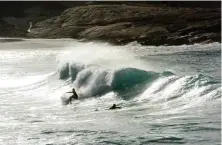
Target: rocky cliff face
(10, 31)
(121, 23)
(15, 15)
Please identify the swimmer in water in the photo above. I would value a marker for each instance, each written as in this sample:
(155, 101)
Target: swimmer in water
(114, 107)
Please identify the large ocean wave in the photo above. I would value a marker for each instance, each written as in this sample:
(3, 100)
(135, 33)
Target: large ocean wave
(132, 83)
(96, 70)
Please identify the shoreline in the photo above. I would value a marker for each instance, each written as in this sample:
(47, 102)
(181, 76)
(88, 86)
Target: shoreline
(131, 44)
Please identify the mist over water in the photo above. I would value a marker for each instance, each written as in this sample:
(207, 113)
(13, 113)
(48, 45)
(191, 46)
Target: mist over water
(168, 94)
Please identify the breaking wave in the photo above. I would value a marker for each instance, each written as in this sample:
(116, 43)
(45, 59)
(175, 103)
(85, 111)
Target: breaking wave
(92, 78)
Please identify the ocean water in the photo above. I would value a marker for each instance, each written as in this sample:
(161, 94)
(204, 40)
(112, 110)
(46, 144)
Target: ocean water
(168, 94)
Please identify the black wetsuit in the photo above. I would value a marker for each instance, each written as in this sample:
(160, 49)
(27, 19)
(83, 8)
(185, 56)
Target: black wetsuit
(74, 96)
(114, 107)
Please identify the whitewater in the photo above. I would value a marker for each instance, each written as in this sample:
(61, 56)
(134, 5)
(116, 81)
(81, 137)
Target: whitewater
(168, 94)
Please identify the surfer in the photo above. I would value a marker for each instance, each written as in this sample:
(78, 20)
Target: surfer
(74, 96)
(114, 107)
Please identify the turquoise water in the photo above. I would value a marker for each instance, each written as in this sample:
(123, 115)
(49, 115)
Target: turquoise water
(168, 94)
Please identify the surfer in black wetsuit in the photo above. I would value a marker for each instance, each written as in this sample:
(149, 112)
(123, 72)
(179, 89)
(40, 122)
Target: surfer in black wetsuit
(114, 107)
(74, 96)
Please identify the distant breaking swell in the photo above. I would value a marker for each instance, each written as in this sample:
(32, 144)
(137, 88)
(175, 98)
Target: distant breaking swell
(128, 83)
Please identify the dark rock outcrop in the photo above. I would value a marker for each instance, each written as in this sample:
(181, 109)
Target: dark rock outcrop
(10, 31)
(18, 14)
(149, 23)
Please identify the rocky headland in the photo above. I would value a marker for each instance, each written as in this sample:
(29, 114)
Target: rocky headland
(148, 23)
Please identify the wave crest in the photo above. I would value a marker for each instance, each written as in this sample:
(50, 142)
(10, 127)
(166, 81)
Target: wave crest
(93, 80)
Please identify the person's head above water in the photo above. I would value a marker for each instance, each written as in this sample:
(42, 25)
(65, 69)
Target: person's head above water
(73, 90)
(114, 107)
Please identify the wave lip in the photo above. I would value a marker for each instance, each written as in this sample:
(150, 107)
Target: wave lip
(128, 77)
